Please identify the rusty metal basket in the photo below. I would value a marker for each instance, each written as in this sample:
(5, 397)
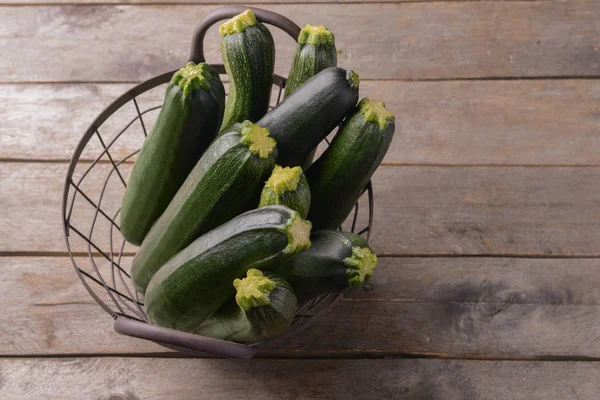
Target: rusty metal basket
(91, 205)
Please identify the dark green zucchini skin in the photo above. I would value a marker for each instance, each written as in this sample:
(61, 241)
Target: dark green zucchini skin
(249, 58)
(287, 187)
(315, 52)
(308, 115)
(326, 266)
(219, 187)
(195, 283)
(339, 176)
(186, 125)
(257, 323)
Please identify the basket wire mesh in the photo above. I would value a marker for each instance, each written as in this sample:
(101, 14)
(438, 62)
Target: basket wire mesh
(91, 207)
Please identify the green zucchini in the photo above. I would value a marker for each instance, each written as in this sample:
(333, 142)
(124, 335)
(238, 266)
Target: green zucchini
(288, 187)
(188, 121)
(335, 261)
(314, 53)
(197, 281)
(219, 187)
(264, 306)
(249, 56)
(339, 176)
(308, 115)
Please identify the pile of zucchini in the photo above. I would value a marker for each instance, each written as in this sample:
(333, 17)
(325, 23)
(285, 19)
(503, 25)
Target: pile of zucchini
(234, 234)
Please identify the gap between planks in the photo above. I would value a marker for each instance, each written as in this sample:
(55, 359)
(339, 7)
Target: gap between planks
(324, 356)
(456, 79)
(252, 4)
(384, 255)
(383, 164)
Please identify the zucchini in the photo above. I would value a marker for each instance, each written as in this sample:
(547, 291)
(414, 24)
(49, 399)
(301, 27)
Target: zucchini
(219, 187)
(288, 187)
(188, 121)
(339, 176)
(335, 261)
(314, 53)
(197, 281)
(264, 306)
(249, 57)
(308, 115)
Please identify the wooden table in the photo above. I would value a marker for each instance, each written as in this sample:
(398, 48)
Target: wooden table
(487, 220)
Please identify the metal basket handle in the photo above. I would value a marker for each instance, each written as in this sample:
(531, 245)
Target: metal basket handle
(269, 17)
(178, 340)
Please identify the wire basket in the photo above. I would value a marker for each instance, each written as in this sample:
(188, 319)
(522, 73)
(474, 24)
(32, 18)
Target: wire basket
(91, 205)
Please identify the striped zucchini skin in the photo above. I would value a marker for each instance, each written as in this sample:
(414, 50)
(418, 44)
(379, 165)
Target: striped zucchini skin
(339, 176)
(315, 52)
(188, 121)
(335, 261)
(197, 282)
(249, 58)
(217, 189)
(261, 321)
(287, 187)
(302, 120)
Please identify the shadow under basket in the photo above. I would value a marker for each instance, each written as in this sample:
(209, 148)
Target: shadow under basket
(96, 181)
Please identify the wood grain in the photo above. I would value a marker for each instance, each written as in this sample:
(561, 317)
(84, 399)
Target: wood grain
(439, 40)
(548, 211)
(485, 210)
(149, 378)
(212, 2)
(48, 311)
(458, 307)
(178, 2)
(482, 280)
(454, 329)
(457, 123)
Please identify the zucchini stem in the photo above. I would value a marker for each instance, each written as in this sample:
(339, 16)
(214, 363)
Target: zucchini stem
(253, 290)
(353, 79)
(257, 139)
(375, 111)
(298, 233)
(193, 76)
(238, 24)
(316, 35)
(284, 179)
(360, 265)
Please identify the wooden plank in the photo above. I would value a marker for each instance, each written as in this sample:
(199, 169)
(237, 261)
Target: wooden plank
(232, 2)
(458, 123)
(47, 121)
(47, 310)
(482, 280)
(492, 122)
(454, 330)
(154, 378)
(484, 307)
(486, 210)
(549, 211)
(436, 40)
